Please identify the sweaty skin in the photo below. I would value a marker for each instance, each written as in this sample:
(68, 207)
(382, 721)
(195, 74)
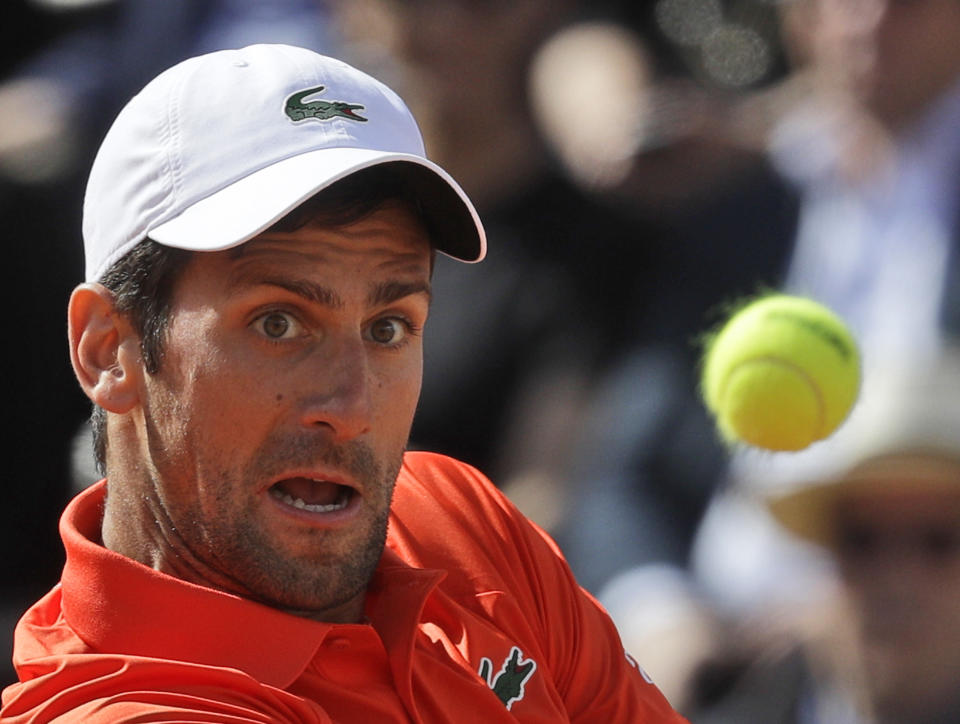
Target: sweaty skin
(261, 458)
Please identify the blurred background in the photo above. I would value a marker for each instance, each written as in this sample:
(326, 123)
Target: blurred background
(640, 165)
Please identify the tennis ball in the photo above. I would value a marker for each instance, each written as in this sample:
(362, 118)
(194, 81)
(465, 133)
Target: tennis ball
(782, 373)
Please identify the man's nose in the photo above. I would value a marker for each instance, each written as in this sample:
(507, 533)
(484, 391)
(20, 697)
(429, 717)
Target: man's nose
(337, 388)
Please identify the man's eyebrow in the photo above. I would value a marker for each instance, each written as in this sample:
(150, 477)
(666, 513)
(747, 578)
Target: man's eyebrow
(308, 290)
(382, 294)
(392, 291)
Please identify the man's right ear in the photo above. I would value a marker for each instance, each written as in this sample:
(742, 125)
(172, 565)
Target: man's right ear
(104, 349)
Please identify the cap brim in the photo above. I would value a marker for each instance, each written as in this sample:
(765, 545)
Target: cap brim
(245, 208)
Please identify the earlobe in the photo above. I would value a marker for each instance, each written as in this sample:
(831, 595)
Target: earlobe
(101, 340)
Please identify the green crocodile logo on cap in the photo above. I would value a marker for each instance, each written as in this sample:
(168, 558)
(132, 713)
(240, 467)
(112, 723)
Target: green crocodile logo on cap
(297, 110)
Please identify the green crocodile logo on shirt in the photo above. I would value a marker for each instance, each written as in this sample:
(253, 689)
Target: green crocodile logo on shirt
(512, 678)
(297, 110)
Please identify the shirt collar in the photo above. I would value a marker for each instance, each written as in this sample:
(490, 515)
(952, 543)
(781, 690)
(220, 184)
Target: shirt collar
(117, 605)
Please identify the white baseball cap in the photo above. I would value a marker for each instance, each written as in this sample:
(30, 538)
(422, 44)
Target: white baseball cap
(219, 147)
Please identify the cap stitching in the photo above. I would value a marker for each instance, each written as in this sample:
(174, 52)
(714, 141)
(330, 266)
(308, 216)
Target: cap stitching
(173, 164)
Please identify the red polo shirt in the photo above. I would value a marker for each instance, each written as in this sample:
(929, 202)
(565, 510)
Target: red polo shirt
(474, 617)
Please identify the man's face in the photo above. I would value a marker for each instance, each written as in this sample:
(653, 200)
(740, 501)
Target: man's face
(275, 427)
(899, 557)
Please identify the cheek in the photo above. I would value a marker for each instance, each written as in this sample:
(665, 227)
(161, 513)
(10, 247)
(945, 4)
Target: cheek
(209, 391)
(237, 409)
(396, 393)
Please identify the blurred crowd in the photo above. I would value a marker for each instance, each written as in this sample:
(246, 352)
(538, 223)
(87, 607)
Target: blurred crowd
(640, 167)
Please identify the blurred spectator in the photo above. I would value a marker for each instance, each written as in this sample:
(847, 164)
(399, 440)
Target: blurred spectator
(875, 151)
(874, 142)
(865, 127)
(645, 460)
(876, 631)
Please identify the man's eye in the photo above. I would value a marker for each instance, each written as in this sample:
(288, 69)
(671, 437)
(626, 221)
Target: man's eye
(277, 325)
(387, 331)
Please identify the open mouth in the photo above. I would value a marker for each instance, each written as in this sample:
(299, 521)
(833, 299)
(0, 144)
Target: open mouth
(312, 496)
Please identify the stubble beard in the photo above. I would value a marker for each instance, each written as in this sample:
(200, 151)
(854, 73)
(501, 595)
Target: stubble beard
(317, 581)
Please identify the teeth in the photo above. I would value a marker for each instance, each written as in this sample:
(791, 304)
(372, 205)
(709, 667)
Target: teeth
(310, 507)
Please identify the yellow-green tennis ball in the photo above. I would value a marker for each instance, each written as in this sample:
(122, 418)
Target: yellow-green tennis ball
(782, 373)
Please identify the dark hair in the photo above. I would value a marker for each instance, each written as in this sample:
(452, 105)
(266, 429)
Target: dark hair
(143, 280)
(357, 196)
(142, 283)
